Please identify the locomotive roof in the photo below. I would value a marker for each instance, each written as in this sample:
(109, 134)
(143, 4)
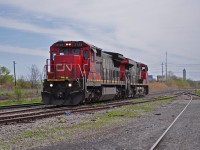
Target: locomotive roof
(116, 56)
(131, 62)
(92, 46)
(141, 64)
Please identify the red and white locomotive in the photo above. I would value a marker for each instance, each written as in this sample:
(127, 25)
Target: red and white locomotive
(78, 72)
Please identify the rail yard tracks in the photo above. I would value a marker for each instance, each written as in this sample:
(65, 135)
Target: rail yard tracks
(29, 114)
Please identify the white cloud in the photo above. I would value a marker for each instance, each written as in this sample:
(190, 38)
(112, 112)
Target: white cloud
(23, 51)
(149, 27)
(20, 25)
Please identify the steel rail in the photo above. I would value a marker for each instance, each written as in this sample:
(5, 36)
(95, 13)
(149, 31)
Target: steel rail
(166, 131)
(20, 106)
(26, 110)
(60, 111)
(194, 94)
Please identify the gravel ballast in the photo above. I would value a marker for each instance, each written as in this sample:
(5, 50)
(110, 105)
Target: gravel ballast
(76, 131)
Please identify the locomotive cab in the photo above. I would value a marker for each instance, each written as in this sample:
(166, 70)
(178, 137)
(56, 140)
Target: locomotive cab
(63, 84)
(71, 63)
(143, 78)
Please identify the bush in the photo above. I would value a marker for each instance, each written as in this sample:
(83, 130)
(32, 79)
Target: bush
(23, 84)
(18, 93)
(197, 92)
(179, 83)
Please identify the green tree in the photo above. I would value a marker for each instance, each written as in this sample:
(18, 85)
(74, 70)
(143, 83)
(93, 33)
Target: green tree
(5, 77)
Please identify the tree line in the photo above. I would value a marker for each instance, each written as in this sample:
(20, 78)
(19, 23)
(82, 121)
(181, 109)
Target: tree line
(32, 80)
(179, 82)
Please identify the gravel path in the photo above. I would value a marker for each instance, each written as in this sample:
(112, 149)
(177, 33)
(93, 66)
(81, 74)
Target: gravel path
(76, 131)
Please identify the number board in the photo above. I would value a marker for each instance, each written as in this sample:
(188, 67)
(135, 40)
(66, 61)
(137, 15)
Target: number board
(60, 44)
(78, 44)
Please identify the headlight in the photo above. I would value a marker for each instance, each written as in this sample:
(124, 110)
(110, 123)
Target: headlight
(70, 85)
(51, 85)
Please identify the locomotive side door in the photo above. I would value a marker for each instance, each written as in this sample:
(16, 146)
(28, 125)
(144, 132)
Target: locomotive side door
(89, 63)
(86, 62)
(93, 61)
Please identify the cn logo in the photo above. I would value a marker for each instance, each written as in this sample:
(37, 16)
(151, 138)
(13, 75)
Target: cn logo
(63, 67)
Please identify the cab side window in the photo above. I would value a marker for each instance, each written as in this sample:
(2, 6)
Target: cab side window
(143, 69)
(85, 54)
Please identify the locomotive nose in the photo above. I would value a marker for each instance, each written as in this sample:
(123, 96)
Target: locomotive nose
(60, 94)
(68, 66)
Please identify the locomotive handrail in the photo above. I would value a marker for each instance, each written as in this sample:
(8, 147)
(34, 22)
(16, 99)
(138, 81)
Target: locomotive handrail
(80, 70)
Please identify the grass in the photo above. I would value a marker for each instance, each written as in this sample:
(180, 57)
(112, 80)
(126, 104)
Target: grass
(164, 100)
(99, 104)
(4, 146)
(38, 133)
(18, 102)
(8, 93)
(167, 100)
(61, 120)
(127, 112)
(197, 92)
(18, 93)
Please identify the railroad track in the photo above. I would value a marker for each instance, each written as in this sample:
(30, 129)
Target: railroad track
(41, 104)
(21, 106)
(33, 114)
(160, 139)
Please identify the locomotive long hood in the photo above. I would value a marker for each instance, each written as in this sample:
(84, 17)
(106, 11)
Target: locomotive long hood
(67, 59)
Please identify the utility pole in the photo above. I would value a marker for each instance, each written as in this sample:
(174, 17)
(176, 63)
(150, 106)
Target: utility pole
(14, 72)
(162, 69)
(166, 66)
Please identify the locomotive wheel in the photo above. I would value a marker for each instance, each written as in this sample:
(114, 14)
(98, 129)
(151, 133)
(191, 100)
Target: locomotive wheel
(89, 99)
(124, 95)
(119, 94)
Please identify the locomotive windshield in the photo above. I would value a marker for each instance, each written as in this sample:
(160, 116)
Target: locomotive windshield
(65, 51)
(76, 51)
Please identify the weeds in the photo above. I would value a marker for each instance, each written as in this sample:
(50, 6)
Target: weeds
(18, 102)
(61, 120)
(18, 93)
(197, 92)
(4, 146)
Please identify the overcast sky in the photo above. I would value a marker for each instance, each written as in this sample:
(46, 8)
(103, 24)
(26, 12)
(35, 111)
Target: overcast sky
(142, 30)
